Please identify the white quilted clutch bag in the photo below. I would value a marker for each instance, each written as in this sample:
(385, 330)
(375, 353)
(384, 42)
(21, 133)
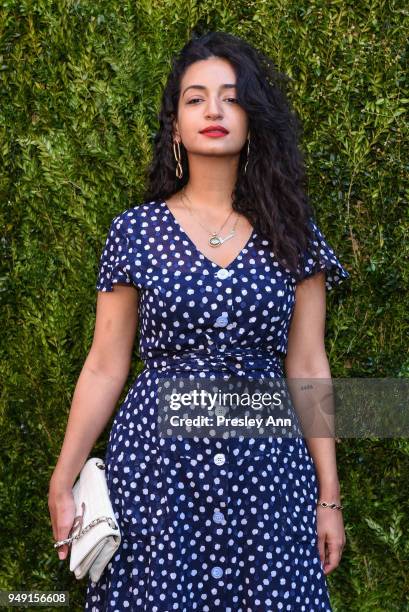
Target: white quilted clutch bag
(98, 535)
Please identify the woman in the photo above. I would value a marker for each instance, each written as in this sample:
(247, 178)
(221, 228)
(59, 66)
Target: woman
(213, 266)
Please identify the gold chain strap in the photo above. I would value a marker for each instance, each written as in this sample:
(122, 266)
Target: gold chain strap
(79, 520)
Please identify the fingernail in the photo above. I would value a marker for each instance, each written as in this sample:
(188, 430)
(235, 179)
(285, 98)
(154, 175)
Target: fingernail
(61, 554)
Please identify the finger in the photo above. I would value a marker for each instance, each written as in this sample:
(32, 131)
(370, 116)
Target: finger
(62, 552)
(63, 531)
(332, 559)
(321, 549)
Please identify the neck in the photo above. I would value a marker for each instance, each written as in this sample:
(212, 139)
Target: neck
(211, 182)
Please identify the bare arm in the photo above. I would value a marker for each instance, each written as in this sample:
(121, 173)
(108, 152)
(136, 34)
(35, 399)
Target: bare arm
(101, 380)
(306, 358)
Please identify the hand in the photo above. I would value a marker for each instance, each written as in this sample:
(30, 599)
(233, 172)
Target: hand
(331, 537)
(61, 506)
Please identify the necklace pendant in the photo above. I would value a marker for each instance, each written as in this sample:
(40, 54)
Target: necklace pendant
(215, 241)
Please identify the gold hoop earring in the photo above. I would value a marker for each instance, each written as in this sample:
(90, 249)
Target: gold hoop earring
(248, 153)
(178, 157)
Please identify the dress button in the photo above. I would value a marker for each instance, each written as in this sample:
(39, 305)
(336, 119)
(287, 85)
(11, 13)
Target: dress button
(217, 572)
(222, 320)
(218, 517)
(220, 410)
(219, 459)
(222, 273)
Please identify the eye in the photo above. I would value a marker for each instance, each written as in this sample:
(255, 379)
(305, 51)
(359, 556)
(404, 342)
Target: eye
(193, 100)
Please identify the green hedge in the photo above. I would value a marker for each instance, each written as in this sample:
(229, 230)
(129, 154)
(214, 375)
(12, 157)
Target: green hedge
(80, 90)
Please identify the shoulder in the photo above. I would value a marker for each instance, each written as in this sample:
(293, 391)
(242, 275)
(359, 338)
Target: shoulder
(136, 218)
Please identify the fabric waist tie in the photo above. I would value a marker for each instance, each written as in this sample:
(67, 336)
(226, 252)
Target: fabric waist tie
(239, 362)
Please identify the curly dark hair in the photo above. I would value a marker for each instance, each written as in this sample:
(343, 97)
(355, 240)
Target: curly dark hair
(272, 192)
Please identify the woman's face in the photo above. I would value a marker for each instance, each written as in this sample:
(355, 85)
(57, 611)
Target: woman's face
(206, 101)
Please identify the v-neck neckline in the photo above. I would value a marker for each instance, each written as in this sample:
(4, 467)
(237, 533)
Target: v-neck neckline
(199, 253)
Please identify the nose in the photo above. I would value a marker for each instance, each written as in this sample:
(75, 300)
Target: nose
(213, 107)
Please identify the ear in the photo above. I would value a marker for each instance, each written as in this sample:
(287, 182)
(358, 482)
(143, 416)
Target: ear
(175, 130)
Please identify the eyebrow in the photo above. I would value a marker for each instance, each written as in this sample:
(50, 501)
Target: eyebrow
(224, 86)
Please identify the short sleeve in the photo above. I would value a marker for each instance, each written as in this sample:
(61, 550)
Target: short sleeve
(113, 264)
(320, 256)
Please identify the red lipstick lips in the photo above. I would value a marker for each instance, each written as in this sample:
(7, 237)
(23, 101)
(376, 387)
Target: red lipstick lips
(215, 131)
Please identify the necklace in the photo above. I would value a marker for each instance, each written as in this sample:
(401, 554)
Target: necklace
(215, 240)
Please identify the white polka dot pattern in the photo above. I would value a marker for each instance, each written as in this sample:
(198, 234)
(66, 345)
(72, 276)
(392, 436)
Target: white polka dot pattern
(208, 524)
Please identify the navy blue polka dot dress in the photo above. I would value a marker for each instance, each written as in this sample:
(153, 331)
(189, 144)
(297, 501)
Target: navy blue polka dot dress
(208, 524)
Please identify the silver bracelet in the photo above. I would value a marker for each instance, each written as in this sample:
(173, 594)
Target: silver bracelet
(327, 505)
